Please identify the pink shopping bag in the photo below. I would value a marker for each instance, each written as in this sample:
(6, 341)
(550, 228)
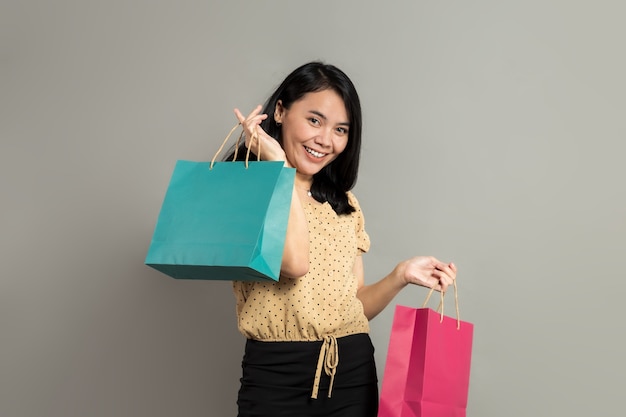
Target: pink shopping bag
(427, 370)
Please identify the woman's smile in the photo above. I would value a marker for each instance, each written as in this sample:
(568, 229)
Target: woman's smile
(314, 153)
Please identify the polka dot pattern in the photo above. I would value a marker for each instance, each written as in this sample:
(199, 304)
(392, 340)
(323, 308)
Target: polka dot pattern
(321, 303)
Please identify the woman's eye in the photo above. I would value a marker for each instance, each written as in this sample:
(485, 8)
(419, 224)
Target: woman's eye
(342, 130)
(314, 121)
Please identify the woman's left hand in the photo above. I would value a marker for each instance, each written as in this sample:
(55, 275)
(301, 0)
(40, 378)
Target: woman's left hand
(428, 271)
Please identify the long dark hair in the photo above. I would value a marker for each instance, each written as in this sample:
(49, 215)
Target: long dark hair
(338, 177)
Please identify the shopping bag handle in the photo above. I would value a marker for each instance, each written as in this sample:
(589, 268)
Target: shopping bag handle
(440, 307)
(255, 134)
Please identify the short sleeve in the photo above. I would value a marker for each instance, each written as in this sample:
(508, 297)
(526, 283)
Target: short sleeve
(363, 239)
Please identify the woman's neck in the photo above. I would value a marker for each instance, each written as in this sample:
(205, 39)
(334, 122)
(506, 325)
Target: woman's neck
(303, 182)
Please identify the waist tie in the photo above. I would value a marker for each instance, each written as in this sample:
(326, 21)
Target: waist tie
(328, 359)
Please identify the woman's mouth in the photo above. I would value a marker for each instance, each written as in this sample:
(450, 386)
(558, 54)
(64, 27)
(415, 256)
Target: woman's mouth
(314, 153)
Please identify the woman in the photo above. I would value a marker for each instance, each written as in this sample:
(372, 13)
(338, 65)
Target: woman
(308, 352)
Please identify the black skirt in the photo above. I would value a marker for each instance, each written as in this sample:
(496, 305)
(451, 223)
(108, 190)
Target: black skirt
(278, 379)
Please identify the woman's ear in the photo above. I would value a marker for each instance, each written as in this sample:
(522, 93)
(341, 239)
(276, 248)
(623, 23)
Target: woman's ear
(278, 112)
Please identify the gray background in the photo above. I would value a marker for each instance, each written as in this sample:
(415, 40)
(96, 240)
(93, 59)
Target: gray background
(494, 137)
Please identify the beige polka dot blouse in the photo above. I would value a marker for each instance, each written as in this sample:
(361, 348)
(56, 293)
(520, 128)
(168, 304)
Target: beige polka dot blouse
(323, 302)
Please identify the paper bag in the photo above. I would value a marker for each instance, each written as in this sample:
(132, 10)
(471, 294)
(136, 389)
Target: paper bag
(427, 370)
(223, 221)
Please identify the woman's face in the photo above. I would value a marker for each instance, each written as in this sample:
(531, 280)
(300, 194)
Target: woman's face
(314, 130)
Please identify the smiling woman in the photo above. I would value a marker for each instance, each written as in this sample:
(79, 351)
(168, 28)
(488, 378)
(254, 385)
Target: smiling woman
(308, 349)
(332, 180)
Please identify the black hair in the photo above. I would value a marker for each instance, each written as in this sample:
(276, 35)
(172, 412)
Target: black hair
(338, 177)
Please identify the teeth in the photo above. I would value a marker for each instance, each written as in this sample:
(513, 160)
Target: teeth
(314, 153)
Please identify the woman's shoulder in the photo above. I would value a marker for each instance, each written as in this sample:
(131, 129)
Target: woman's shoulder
(354, 202)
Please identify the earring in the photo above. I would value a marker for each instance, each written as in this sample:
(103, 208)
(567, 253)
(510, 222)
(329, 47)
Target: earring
(279, 124)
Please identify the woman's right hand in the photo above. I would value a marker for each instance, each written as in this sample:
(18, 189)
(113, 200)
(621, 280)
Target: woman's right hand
(270, 148)
(428, 271)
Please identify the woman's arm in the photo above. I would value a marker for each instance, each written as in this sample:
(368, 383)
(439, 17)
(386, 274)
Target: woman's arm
(295, 261)
(426, 271)
(296, 253)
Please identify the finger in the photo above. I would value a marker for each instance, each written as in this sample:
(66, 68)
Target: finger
(251, 123)
(444, 279)
(255, 112)
(447, 269)
(260, 133)
(250, 116)
(240, 116)
(256, 132)
(441, 280)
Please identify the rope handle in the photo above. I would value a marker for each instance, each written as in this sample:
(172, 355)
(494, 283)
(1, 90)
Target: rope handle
(456, 303)
(255, 134)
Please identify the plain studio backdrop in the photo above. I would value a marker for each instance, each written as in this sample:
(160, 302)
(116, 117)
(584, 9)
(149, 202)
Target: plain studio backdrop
(494, 136)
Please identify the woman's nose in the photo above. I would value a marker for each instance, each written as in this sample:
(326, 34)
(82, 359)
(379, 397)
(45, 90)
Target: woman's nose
(325, 137)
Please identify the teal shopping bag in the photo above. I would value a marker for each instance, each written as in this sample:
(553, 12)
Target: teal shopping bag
(223, 221)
